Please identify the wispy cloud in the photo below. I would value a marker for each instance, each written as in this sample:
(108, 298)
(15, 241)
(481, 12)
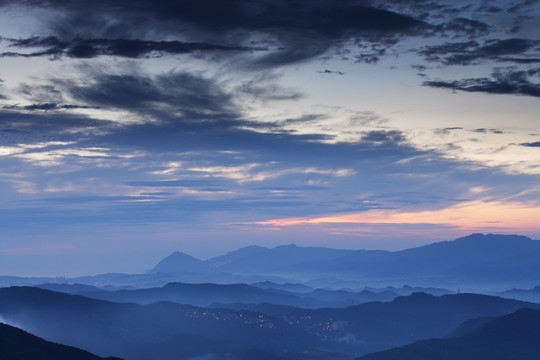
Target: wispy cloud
(464, 53)
(507, 81)
(55, 48)
(289, 32)
(247, 172)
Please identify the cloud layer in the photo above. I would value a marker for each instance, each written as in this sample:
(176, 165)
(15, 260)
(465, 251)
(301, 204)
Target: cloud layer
(139, 123)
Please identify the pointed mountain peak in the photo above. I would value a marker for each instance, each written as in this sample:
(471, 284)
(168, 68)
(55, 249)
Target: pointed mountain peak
(178, 254)
(177, 262)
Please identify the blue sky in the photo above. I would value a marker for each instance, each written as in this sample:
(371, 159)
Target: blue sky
(129, 130)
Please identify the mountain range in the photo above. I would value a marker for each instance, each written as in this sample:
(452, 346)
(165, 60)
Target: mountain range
(476, 262)
(241, 294)
(130, 330)
(532, 295)
(495, 261)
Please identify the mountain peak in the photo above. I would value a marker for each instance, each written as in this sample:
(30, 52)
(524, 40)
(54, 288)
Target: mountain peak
(177, 262)
(493, 238)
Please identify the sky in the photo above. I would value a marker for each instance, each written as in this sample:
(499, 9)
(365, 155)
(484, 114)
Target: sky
(132, 129)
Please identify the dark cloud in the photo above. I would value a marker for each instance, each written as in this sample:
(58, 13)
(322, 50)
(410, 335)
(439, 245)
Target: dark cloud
(462, 26)
(371, 52)
(263, 88)
(420, 68)
(47, 107)
(521, 5)
(446, 131)
(215, 16)
(485, 131)
(387, 137)
(2, 96)
(465, 53)
(326, 71)
(306, 118)
(292, 30)
(129, 48)
(423, 9)
(524, 61)
(28, 128)
(502, 81)
(489, 9)
(181, 97)
(533, 144)
(165, 96)
(184, 101)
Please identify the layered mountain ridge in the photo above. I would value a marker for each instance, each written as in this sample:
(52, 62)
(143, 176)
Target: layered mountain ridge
(477, 258)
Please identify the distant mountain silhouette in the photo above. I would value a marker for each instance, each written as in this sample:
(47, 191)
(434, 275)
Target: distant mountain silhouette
(297, 288)
(199, 294)
(532, 295)
(68, 288)
(178, 262)
(408, 290)
(470, 259)
(272, 260)
(486, 262)
(16, 344)
(491, 260)
(206, 294)
(245, 252)
(249, 259)
(242, 296)
(514, 336)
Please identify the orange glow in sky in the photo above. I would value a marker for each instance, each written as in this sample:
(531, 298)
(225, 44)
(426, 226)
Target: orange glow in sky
(477, 215)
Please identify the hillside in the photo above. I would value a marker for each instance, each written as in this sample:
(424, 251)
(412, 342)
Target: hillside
(514, 336)
(122, 329)
(16, 344)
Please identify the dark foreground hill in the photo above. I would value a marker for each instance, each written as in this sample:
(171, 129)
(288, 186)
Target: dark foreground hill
(514, 336)
(16, 344)
(163, 330)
